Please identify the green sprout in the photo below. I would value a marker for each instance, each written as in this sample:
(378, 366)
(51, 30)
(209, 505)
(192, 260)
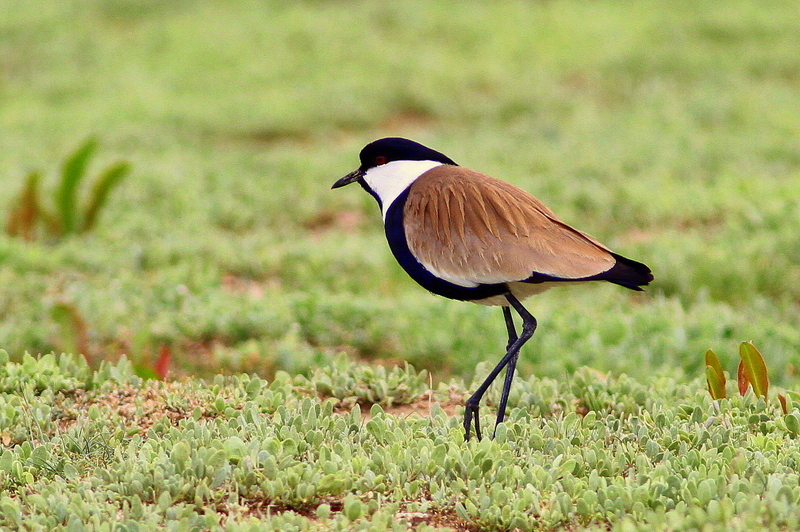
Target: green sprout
(66, 217)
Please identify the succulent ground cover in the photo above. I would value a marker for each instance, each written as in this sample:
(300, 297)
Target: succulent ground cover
(668, 130)
(366, 448)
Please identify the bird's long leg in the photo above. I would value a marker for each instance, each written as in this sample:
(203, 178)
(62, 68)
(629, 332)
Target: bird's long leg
(510, 366)
(512, 332)
(473, 403)
(528, 328)
(512, 337)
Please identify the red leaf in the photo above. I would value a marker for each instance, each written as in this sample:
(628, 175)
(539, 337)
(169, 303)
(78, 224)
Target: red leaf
(161, 366)
(782, 400)
(741, 379)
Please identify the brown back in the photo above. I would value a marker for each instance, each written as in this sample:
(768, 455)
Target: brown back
(466, 225)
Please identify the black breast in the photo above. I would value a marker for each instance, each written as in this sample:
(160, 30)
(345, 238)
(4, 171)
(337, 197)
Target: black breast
(396, 236)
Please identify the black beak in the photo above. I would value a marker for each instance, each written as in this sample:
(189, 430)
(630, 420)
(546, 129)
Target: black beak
(355, 175)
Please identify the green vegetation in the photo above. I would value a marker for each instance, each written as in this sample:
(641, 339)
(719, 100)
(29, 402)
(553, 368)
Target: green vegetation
(670, 131)
(715, 376)
(27, 212)
(84, 449)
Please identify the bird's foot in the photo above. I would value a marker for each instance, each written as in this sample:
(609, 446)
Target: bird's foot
(470, 414)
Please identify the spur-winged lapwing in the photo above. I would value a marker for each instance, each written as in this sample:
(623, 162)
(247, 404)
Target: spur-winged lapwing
(464, 235)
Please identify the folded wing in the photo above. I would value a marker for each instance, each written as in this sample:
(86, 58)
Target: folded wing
(469, 228)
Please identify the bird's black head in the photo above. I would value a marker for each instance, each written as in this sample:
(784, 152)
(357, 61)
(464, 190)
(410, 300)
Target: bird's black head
(398, 149)
(391, 149)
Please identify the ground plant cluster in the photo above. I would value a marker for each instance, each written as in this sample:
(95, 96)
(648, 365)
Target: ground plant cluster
(196, 333)
(87, 448)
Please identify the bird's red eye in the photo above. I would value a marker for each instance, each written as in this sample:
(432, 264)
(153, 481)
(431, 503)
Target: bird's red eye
(380, 159)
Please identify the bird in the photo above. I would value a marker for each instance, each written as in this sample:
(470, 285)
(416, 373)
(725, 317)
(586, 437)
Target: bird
(464, 235)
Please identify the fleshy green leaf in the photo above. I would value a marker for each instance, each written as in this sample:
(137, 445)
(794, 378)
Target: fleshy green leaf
(792, 424)
(72, 172)
(109, 178)
(145, 372)
(716, 386)
(754, 368)
(715, 376)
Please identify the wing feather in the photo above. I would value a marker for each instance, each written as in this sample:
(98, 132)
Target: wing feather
(469, 227)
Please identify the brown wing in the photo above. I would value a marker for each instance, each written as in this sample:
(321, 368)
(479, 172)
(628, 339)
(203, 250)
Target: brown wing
(470, 228)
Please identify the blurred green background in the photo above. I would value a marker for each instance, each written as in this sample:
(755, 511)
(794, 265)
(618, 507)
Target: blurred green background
(668, 130)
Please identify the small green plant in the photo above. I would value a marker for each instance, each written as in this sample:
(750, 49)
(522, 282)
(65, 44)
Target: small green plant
(146, 369)
(73, 331)
(752, 371)
(66, 216)
(715, 376)
(357, 383)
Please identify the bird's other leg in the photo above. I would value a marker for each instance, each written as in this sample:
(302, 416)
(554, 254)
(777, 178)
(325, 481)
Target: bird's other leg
(528, 328)
(510, 367)
(473, 403)
(512, 331)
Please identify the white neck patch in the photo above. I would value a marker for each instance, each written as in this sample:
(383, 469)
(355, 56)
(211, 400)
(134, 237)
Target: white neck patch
(389, 180)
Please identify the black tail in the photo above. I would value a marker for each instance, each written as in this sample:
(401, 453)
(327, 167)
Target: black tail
(627, 273)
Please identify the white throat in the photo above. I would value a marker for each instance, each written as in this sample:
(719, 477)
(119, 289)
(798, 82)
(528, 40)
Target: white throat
(389, 180)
